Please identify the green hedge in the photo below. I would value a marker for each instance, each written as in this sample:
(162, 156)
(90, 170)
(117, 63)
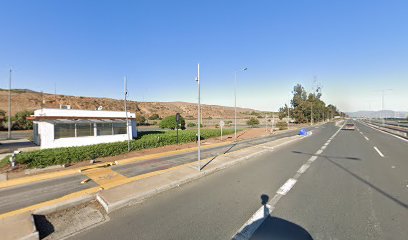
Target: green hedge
(56, 156)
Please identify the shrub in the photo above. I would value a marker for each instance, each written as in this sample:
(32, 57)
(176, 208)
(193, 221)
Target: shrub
(48, 157)
(282, 125)
(171, 123)
(191, 124)
(140, 120)
(252, 122)
(154, 117)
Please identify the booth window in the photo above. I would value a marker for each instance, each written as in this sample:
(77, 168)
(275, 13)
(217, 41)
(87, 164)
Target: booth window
(119, 128)
(64, 130)
(104, 129)
(84, 129)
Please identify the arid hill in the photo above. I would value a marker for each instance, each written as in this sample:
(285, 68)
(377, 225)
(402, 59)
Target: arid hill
(30, 100)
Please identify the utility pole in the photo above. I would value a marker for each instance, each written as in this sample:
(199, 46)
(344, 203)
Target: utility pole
(311, 113)
(266, 122)
(9, 108)
(382, 105)
(198, 119)
(288, 117)
(127, 121)
(235, 105)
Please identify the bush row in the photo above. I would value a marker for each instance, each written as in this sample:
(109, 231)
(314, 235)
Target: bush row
(48, 157)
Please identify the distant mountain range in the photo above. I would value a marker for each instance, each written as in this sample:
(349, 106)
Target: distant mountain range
(379, 114)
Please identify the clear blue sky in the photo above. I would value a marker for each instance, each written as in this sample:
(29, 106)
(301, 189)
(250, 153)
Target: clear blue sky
(355, 48)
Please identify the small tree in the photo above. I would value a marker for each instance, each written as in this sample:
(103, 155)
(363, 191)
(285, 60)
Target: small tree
(171, 123)
(21, 122)
(140, 120)
(154, 117)
(252, 122)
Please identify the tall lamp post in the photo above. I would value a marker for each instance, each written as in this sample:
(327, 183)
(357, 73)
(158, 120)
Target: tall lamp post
(198, 119)
(9, 109)
(127, 120)
(235, 104)
(382, 104)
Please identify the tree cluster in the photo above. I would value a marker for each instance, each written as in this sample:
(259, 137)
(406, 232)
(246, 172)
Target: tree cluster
(306, 107)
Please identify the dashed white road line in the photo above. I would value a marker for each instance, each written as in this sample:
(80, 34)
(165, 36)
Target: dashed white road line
(249, 228)
(366, 138)
(303, 168)
(287, 186)
(378, 151)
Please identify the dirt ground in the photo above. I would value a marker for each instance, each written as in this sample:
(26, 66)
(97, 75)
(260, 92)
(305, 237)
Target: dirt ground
(242, 135)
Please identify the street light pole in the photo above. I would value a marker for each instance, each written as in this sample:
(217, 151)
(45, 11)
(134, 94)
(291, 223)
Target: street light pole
(382, 105)
(198, 119)
(235, 105)
(9, 109)
(127, 120)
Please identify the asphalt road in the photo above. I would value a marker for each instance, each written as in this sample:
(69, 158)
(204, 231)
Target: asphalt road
(30, 194)
(350, 191)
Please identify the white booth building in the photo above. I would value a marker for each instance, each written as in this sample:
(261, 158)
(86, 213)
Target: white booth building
(55, 128)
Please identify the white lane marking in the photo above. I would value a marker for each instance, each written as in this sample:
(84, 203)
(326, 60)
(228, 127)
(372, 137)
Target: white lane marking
(253, 223)
(379, 152)
(327, 143)
(287, 186)
(312, 159)
(303, 168)
(319, 151)
(401, 138)
(366, 138)
(324, 147)
(248, 229)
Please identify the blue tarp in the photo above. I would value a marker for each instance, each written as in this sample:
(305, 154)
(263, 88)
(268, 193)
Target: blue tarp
(303, 132)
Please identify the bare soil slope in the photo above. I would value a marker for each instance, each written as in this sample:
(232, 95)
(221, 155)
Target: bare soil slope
(31, 100)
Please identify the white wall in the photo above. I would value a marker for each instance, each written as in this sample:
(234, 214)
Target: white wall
(46, 136)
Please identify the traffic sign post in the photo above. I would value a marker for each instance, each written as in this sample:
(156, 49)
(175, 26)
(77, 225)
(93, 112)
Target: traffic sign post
(222, 124)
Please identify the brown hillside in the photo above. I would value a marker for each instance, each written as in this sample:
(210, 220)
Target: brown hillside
(29, 100)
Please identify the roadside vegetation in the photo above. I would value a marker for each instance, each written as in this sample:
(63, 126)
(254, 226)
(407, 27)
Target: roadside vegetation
(252, 122)
(170, 122)
(5, 161)
(18, 121)
(59, 156)
(303, 104)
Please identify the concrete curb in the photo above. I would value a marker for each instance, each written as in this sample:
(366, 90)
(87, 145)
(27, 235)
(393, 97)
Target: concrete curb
(19, 227)
(64, 205)
(130, 193)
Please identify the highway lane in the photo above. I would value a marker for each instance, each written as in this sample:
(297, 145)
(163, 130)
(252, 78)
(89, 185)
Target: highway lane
(213, 207)
(349, 192)
(22, 196)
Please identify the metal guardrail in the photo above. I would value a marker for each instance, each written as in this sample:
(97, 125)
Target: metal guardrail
(400, 131)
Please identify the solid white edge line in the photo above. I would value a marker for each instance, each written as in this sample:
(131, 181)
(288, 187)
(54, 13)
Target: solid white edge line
(403, 139)
(378, 151)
